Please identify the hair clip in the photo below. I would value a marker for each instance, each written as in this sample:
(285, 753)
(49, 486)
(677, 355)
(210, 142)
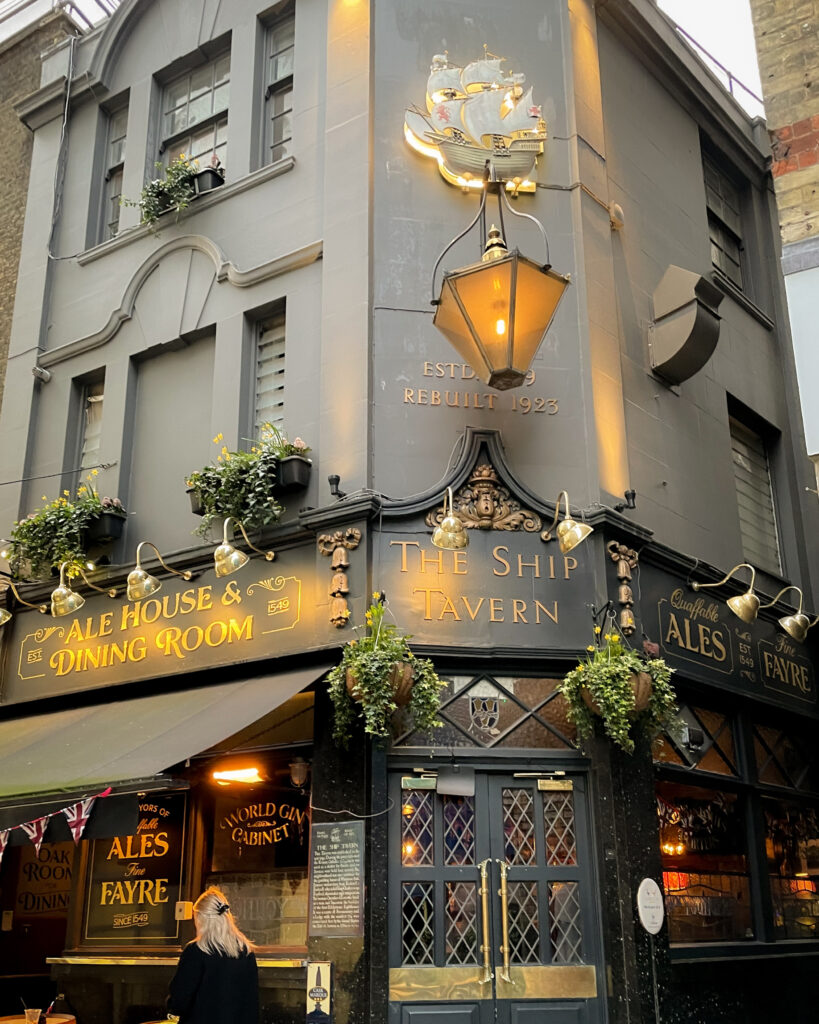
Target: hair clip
(223, 908)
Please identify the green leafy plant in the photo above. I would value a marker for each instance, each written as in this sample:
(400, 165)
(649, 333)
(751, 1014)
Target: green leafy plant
(604, 682)
(54, 534)
(240, 484)
(173, 191)
(281, 446)
(369, 662)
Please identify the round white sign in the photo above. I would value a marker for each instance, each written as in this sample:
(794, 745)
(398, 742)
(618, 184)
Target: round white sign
(650, 906)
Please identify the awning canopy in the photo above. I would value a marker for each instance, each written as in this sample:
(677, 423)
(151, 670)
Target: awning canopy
(86, 748)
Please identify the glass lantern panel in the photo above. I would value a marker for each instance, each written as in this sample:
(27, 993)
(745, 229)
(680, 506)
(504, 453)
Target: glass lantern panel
(485, 293)
(537, 295)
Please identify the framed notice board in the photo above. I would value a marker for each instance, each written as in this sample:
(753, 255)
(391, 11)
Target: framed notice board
(135, 880)
(337, 879)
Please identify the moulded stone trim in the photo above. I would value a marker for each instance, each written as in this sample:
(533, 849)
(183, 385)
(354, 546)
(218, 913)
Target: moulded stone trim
(224, 271)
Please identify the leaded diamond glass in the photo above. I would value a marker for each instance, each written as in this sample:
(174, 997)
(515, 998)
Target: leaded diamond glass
(564, 923)
(519, 826)
(459, 829)
(418, 942)
(524, 934)
(461, 923)
(558, 825)
(416, 827)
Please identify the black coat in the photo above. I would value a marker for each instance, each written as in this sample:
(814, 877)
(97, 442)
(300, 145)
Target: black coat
(209, 988)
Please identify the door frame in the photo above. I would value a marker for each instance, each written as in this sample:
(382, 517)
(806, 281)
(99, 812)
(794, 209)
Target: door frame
(494, 767)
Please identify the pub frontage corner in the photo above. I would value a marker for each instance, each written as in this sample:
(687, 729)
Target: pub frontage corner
(295, 600)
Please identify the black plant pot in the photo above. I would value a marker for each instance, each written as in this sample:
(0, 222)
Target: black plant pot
(206, 180)
(294, 473)
(197, 507)
(105, 529)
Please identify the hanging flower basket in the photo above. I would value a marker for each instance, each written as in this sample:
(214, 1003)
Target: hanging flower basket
(400, 679)
(625, 691)
(294, 473)
(378, 674)
(641, 687)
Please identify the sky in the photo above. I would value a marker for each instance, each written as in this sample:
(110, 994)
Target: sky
(724, 28)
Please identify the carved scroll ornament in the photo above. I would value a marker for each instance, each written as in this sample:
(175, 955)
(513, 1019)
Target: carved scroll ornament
(483, 503)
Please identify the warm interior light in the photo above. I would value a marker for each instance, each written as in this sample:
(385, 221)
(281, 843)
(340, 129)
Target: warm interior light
(500, 327)
(407, 810)
(248, 776)
(408, 849)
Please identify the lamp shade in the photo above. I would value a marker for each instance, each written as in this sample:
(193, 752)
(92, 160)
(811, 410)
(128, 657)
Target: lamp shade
(495, 314)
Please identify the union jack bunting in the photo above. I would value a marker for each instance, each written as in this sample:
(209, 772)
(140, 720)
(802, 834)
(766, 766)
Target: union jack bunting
(35, 830)
(77, 816)
(4, 838)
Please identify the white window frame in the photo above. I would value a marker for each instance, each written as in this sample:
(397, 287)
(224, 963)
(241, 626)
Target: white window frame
(116, 136)
(280, 42)
(198, 136)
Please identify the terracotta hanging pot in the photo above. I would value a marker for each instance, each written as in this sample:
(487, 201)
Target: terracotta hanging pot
(641, 686)
(400, 680)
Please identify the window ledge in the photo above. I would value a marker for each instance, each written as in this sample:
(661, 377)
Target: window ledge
(707, 952)
(202, 202)
(727, 287)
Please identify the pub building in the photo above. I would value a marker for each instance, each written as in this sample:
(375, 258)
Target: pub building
(488, 870)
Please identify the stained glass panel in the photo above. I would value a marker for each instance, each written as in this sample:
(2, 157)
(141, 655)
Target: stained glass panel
(558, 825)
(417, 909)
(564, 923)
(459, 829)
(519, 826)
(416, 827)
(524, 933)
(461, 923)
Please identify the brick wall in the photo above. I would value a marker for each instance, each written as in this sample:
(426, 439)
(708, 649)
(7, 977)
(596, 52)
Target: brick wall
(19, 76)
(787, 43)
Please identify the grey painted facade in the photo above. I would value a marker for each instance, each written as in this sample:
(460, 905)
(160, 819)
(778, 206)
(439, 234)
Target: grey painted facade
(345, 232)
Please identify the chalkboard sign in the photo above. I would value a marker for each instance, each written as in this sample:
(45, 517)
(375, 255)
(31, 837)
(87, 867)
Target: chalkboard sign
(337, 879)
(135, 879)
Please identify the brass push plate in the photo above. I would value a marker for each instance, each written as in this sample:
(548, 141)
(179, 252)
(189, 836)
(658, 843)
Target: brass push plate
(556, 785)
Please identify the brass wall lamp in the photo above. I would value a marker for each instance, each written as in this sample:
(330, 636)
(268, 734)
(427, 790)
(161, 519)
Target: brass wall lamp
(797, 625)
(65, 601)
(569, 533)
(228, 559)
(450, 534)
(5, 614)
(744, 606)
(496, 312)
(140, 582)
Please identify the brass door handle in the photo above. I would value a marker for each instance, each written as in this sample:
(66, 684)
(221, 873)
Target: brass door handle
(503, 892)
(486, 947)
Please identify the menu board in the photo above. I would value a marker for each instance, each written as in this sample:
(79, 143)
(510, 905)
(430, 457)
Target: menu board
(135, 879)
(337, 879)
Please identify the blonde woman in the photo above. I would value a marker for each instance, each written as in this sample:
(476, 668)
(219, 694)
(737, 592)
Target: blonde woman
(217, 980)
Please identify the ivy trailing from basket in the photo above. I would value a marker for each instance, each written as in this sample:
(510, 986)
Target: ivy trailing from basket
(365, 685)
(602, 687)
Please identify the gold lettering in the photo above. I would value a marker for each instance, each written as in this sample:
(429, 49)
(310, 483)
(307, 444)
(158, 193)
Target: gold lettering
(404, 544)
(437, 560)
(427, 371)
(549, 614)
(452, 399)
(106, 623)
(427, 592)
(529, 565)
(423, 396)
(518, 610)
(569, 564)
(408, 393)
(449, 609)
(673, 631)
(468, 607)
(459, 563)
(435, 398)
(499, 558)
(495, 607)
(205, 601)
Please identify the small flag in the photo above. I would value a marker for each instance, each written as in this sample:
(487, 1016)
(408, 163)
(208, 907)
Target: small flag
(77, 816)
(4, 838)
(35, 830)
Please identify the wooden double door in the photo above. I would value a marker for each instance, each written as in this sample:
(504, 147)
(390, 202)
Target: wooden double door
(493, 915)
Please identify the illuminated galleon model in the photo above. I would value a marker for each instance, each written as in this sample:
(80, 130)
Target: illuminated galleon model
(474, 114)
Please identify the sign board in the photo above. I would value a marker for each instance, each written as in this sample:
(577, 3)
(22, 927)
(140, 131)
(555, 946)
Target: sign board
(135, 880)
(265, 610)
(260, 829)
(337, 879)
(701, 638)
(44, 881)
(507, 589)
(650, 906)
(319, 993)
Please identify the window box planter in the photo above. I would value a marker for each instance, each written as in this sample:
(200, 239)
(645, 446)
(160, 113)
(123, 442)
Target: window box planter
(293, 473)
(207, 180)
(104, 529)
(197, 508)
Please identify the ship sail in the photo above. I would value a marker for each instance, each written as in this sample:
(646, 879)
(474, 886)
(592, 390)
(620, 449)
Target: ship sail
(482, 114)
(444, 83)
(446, 115)
(482, 74)
(524, 117)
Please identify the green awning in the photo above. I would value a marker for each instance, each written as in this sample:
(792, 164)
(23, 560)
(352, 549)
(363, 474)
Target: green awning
(84, 749)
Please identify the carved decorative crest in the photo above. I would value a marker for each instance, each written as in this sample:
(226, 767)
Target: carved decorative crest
(483, 503)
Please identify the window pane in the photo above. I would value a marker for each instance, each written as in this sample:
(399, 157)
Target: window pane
(176, 122)
(201, 81)
(176, 94)
(792, 848)
(705, 873)
(270, 374)
(755, 502)
(786, 758)
(92, 425)
(221, 98)
(221, 69)
(200, 108)
(708, 746)
(282, 38)
(114, 196)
